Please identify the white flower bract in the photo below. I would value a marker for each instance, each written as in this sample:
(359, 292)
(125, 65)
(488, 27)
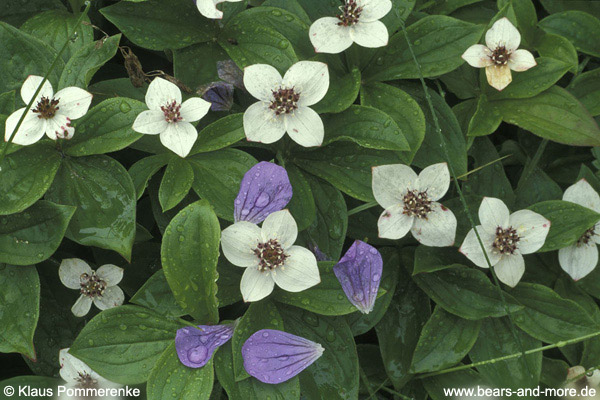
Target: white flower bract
(506, 237)
(580, 258)
(78, 375)
(209, 9)
(171, 118)
(284, 103)
(410, 203)
(358, 23)
(98, 287)
(269, 256)
(50, 113)
(500, 55)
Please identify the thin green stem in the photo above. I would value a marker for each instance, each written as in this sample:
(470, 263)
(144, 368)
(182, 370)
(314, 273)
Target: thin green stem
(438, 129)
(39, 88)
(529, 168)
(362, 207)
(363, 377)
(380, 387)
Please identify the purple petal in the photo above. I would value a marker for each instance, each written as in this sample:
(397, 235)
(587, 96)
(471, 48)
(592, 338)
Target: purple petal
(230, 73)
(265, 189)
(319, 255)
(274, 356)
(359, 272)
(220, 95)
(195, 347)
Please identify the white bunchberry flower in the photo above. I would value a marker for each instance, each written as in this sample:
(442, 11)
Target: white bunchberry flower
(171, 118)
(208, 8)
(358, 23)
(500, 54)
(99, 287)
(410, 203)
(506, 237)
(580, 258)
(269, 256)
(50, 113)
(284, 103)
(579, 382)
(78, 375)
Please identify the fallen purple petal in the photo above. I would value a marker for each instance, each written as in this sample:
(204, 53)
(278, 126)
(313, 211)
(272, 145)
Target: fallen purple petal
(219, 95)
(231, 73)
(359, 272)
(265, 189)
(195, 347)
(273, 356)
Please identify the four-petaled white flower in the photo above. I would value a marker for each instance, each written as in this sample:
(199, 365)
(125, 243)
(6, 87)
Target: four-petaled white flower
(506, 237)
(50, 113)
(171, 118)
(269, 256)
(283, 105)
(500, 54)
(208, 8)
(99, 287)
(410, 203)
(358, 23)
(78, 375)
(580, 258)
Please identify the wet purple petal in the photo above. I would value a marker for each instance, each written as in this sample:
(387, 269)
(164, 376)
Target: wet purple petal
(265, 189)
(319, 255)
(359, 272)
(230, 73)
(274, 356)
(195, 347)
(220, 95)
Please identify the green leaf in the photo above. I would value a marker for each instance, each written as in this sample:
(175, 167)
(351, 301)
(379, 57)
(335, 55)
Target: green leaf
(176, 183)
(403, 109)
(438, 42)
(53, 28)
(229, 282)
(548, 317)
(579, 27)
(302, 205)
(156, 295)
(119, 87)
(105, 128)
(554, 114)
(526, 17)
(485, 120)
(33, 235)
(261, 315)
(445, 340)
(346, 166)
(217, 177)
(319, 8)
(496, 340)
(586, 87)
(104, 195)
(171, 379)
(156, 25)
(335, 374)
(431, 259)
(15, 12)
(465, 292)
(20, 304)
(197, 64)
(341, 94)
(367, 127)
(29, 56)
(145, 168)
(290, 5)
(7, 103)
(123, 343)
(189, 252)
(25, 176)
(220, 134)
(554, 372)
(437, 385)
(463, 81)
(558, 47)
(569, 221)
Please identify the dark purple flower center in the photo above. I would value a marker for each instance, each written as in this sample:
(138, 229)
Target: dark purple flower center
(172, 112)
(85, 381)
(506, 240)
(284, 101)
(500, 56)
(91, 285)
(350, 13)
(270, 255)
(586, 237)
(417, 204)
(46, 108)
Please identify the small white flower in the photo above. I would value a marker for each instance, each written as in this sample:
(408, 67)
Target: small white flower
(358, 23)
(99, 287)
(410, 203)
(579, 378)
(283, 105)
(50, 113)
(581, 258)
(208, 8)
(171, 118)
(500, 54)
(78, 375)
(269, 256)
(506, 237)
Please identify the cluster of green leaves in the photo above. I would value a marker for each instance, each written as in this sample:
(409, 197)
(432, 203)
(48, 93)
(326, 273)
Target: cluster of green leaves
(161, 217)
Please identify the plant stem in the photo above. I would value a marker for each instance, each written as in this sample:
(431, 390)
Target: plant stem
(362, 207)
